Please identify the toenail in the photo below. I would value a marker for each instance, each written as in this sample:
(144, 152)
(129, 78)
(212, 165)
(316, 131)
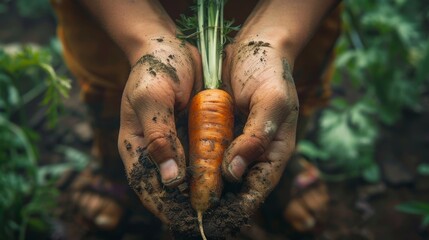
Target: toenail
(103, 221)
(310, 223)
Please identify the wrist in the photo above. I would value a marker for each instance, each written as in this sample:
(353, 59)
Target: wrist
(277, 37)
(146, 44)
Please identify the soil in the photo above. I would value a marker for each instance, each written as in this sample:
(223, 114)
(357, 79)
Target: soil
(227, 219)
(157, 65)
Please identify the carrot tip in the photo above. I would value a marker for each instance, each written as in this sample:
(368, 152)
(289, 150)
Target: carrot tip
(200, 224)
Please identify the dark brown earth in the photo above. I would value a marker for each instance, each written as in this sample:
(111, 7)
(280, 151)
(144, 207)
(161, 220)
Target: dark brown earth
(226, 219)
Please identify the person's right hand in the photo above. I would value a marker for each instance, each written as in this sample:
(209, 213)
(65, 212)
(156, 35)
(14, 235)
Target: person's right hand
(159, 86)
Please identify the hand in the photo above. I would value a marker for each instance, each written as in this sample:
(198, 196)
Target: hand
(258, 74)
(159, 85)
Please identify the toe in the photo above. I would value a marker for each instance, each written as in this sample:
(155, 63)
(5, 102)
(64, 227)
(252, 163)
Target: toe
(316, 200)
(299, 217)
(109, 217)
(104, 213)
(303, 212)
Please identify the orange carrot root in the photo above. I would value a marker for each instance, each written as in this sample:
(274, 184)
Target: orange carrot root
(200, 224)
(211, 122)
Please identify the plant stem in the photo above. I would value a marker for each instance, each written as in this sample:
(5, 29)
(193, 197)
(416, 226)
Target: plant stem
(211, 40)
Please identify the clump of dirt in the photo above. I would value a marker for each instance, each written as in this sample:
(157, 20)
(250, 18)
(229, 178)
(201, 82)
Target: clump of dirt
(256, 46)
(220, 222)
(259, 44)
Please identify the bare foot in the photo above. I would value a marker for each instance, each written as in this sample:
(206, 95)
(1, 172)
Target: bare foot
(309, 199)
(97, 201)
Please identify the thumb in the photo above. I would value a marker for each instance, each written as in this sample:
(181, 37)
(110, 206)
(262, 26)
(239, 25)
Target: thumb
(162, 144)
(266, 115)
(152, 122)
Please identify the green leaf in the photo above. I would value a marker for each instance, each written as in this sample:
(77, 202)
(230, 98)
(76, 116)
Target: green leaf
(311, 151)
(372, 174)
(13, 96)
(3, 8)
(425, 221)
(423, 169)
(414, 207)
(37, 224)
(33, 9)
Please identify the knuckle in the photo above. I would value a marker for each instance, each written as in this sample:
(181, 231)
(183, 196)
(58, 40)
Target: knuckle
(157, 143)
(280, 96)
(287, 100)
(150, 91)
(137, 94)
(258, 143)
(292, 106)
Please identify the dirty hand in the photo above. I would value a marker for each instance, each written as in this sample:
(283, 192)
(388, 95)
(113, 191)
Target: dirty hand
(257, 71)
(159, 85)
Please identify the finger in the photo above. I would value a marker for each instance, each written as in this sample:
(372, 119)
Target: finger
(151, 126)
(267, 113)
(316, 200)
(266, 173)
(142, 175)
(299, 217)
(110, 216)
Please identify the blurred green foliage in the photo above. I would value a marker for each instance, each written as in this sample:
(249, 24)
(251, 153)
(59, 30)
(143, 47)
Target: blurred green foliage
(416, 208)
(27, 190)
(26, 195)
(383, 55)
(30, 86)
(20, 83)
(27, 8)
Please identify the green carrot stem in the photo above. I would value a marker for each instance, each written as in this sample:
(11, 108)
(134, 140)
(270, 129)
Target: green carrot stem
(211, 40)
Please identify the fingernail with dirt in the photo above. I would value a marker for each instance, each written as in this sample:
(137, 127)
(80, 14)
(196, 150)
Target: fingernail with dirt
(237, 167)
(169, 171)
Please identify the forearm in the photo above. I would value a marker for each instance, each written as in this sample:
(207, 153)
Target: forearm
(288, 22)
(130, 23)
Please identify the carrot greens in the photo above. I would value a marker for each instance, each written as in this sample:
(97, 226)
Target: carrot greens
(211, 31)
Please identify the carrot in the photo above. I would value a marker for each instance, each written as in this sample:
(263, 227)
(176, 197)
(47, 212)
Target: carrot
(211, 122)
(211, 117)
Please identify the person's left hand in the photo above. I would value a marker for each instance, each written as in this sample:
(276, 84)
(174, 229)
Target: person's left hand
(257, 72)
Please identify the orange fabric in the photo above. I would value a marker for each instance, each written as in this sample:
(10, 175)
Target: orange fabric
(88, 51)
(102, 71)
(314, 69)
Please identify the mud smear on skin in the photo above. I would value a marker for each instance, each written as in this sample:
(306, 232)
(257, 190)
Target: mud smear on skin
(129, 147)
(252, 50)
(224, 220)
(287, 72)
(287, 76)
(157, 66)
